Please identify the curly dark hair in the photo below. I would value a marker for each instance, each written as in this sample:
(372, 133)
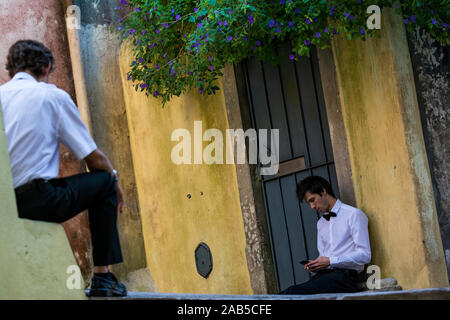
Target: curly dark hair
(313, 184)
(29, 55)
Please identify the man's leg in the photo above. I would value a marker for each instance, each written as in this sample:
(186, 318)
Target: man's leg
(326, 281)
(61, 199)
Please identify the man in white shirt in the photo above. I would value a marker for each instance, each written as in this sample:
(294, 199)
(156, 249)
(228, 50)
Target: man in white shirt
(37, 117)
(342, 241)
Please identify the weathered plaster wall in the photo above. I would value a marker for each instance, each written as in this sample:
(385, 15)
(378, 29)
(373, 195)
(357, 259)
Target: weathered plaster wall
(43, 20)
(387, 154)
(431, 65)
(34, 255)
(100, 56)
(259, 253)
(184, 205)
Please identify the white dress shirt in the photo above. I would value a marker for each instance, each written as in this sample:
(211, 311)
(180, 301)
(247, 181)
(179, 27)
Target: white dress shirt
(37, 117)
(344, 238)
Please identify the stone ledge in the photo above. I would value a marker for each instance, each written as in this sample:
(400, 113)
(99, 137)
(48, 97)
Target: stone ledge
(417, 294)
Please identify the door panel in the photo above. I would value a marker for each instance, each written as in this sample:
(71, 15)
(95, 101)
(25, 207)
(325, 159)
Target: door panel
(289, 97)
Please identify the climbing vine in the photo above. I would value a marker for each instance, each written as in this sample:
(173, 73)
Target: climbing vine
(180, 45)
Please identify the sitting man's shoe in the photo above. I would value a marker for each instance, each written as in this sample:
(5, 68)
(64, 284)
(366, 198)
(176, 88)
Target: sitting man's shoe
(106, 285)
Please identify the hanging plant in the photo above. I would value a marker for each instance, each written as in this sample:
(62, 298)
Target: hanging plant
(180, 45)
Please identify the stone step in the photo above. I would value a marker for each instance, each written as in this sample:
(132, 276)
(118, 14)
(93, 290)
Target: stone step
(417, 294)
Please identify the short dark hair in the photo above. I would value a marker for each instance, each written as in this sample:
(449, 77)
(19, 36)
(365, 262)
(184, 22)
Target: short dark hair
(29, 55)
(313, 184)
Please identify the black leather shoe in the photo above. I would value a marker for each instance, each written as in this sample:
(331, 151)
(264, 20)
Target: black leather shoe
(107, 286)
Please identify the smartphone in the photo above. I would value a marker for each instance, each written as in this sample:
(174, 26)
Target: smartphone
(304, 262)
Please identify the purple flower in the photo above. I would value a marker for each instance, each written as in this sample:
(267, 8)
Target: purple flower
(413, 18)
(291, 56)
(291, 24)
(434, 21)
(351, 18)
(271, 23)
(173, 10)
(141, 60)
(220, 23)
(211, 67)
(210, 58)
(137, 9)
(278, 30)
(157, 31)
(363, 32)
(144, 32)
(308, 21)
(177, 17)
(307, 42)
(195, 9)
(132, 31)
(258, 43)
(156, 66)
(244, 39)
(346, 14)
(128, 76)
(200, 91)
(325, 30)
(123, 2)
(199, 25)
(229, 38)
(143, 85)
(406, 21)
(318, 34)
(155, 93)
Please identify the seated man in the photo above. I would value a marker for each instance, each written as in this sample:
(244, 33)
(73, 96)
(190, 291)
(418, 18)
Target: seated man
(37, 117)
(342, 241)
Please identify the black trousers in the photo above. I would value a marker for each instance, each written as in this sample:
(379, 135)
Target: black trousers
(327, 281)
(60, 199)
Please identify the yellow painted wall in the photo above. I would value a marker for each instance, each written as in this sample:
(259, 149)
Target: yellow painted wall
(389, 165)
(173, 223)
(34, 256)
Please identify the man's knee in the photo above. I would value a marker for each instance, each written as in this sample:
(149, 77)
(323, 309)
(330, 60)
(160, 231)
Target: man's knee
(107, 180)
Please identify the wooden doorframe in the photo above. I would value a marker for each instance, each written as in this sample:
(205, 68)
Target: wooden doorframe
(258, 247)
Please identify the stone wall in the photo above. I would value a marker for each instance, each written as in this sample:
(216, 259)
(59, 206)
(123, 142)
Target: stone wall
(431, 64)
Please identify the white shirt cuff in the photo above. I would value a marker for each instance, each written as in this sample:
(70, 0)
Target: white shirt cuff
(333, 261)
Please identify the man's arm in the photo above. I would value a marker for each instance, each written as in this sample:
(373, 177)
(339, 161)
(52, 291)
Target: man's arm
(98, 161)
(360, 235)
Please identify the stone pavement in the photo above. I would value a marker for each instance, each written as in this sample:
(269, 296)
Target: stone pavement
(417, 294)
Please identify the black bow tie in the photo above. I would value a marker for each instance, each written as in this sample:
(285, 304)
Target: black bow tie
(328, 216)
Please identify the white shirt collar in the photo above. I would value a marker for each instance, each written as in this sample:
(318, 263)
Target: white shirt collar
(336, 206)
(24, 76)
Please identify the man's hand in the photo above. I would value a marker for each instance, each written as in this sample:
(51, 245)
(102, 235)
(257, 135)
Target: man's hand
(318, 264)
(119, 197)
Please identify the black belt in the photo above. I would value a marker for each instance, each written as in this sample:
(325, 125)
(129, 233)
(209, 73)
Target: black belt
(28, 186)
